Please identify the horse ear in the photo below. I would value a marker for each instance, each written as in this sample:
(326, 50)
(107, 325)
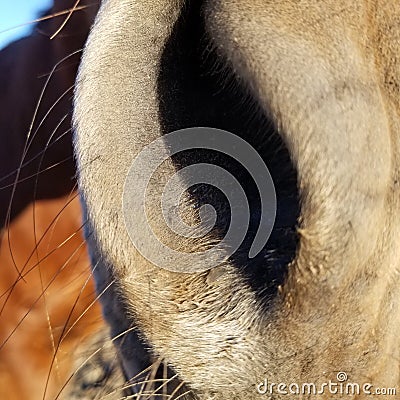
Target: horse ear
(68, 31)
(308, 66)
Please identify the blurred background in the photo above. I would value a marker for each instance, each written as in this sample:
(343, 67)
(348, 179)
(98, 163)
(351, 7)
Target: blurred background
(15, 17)
(48, 311)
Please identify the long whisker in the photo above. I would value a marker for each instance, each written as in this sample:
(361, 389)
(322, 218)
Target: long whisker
(26, 163)
(47, 17)
(65, 20)
(162, 386)
(49, 168)
(11, 288)
(36, 256)
(176, 390)
(93, 354)
(181, 396)
(40, 296)
(148, 381)
(85, 310)
(30, 136)
(51, 334)
(52, 339)
(27, 144)
(53, 221)
(65, 332)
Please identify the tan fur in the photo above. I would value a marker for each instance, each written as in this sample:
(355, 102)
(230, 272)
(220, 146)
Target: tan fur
(328, 75)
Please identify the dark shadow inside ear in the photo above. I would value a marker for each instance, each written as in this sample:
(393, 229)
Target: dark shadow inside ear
(197, 88)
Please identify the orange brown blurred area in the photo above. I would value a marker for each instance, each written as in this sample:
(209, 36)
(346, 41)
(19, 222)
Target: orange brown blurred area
(48, 303)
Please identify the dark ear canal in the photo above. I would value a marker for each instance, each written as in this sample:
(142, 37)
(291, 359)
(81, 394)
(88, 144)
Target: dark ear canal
(196, 88)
